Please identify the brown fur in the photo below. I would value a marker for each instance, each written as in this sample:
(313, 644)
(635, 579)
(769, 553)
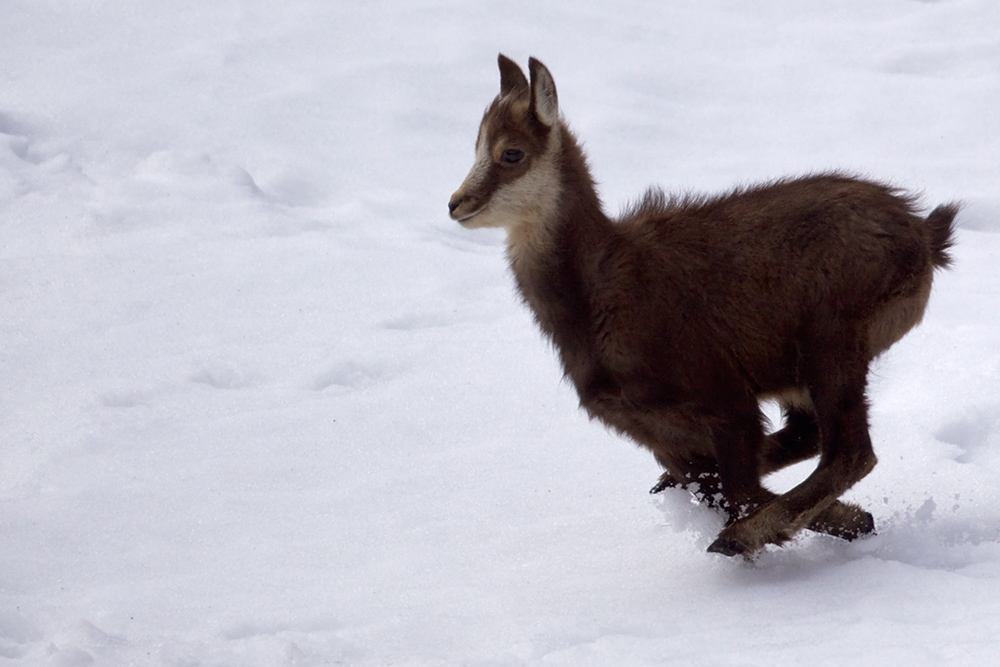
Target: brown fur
(675, 321)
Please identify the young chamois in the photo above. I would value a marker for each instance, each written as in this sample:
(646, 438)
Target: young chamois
(676, 320)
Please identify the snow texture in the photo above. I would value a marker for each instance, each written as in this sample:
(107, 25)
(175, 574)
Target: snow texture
(263, 403)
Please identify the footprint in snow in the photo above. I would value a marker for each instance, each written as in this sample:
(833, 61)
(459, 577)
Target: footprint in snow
(16, 636)
(194, 170)
(972, 434)
(69, 656)
(349, 376)
(125, 398)
(412, 321)
(220, 376)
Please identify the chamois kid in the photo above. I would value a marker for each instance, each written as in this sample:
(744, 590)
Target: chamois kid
(674, 321)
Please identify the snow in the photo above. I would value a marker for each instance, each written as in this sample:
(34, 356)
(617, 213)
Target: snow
(263, 403)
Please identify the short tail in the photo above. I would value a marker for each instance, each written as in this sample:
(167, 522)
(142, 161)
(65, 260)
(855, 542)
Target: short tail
(941, 227)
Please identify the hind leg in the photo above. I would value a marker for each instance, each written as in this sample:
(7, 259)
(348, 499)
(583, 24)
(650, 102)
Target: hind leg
(798, 441)
(847, 456)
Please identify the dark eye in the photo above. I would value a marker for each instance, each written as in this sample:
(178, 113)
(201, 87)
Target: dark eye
(512, 156)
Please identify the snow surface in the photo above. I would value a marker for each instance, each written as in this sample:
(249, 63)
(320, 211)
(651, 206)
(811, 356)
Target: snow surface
(263, 403)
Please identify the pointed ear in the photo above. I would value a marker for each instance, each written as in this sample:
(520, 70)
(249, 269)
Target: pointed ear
(544, 101)
(511, 77)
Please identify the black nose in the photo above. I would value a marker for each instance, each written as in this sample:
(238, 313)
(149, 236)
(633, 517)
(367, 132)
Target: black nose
(453, 204)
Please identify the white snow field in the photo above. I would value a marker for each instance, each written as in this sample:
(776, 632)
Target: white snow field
(263, 403)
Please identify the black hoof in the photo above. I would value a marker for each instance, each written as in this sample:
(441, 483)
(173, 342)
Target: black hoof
(848, 522)
(726, 547)
(866, 525)
(666, 482)
(863, 525)
(660, 486)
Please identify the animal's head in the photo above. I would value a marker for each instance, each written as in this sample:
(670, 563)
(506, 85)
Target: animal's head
(514, 180)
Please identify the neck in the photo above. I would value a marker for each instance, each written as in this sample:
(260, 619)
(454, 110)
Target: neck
(550, 256)
(567, 207)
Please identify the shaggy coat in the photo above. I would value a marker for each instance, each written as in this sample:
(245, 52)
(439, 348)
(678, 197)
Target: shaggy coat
(674, 321)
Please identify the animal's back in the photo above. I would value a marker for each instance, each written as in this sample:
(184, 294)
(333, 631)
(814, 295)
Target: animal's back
(815, 237)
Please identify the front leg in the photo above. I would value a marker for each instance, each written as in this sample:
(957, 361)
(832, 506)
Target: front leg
(738, 441)
(703, 484)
